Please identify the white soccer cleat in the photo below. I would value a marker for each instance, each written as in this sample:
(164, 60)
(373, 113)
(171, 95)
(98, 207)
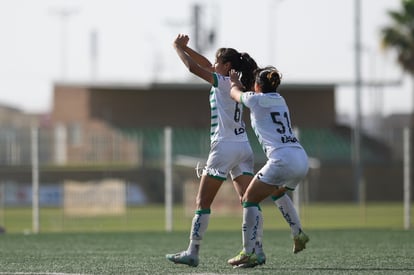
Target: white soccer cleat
(183, 258)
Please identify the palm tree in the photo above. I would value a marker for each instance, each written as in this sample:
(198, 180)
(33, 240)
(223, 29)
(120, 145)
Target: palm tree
(400, 36)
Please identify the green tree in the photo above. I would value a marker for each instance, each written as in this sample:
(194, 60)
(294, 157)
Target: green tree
(399, 35)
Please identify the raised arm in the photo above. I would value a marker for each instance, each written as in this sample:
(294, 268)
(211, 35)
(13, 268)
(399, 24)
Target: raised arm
(201, 60)
(236, 90)
(196, 63)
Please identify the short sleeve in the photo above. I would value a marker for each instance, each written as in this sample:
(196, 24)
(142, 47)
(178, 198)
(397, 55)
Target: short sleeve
(215, 78)
(248, 99)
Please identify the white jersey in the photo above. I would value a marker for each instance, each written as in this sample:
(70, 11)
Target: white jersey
(226, 114)
(270, 120)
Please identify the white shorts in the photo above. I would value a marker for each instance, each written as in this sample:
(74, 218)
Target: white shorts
(225, 157)
(287, 167)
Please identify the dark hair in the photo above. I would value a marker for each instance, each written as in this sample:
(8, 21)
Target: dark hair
(241, 62)
(268, 78)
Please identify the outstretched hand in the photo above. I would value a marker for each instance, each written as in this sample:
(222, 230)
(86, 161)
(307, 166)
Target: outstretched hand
(236, 86)
(181, 40)
(235, 78)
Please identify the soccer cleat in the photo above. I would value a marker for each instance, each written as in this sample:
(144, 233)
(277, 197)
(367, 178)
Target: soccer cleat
(300, 241)
(183, 258)
(244, 260)
(261, 258)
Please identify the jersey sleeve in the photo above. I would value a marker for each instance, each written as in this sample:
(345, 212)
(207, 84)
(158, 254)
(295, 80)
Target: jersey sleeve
(221, 82)
(248, 99)
(215, 77)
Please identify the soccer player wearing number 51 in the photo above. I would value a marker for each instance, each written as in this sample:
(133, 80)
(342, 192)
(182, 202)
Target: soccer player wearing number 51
(287, 162)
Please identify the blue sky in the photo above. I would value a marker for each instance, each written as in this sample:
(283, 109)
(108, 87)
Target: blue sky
(312, 41)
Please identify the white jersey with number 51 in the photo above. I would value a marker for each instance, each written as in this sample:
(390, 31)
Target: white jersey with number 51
(270, 117)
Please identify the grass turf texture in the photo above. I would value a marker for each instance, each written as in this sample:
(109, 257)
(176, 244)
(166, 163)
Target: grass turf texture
(358, 251)
(152, 218)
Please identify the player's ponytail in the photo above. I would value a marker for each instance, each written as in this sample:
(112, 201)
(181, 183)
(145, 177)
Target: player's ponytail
(247, 68)
(268, 79)
(241, 62)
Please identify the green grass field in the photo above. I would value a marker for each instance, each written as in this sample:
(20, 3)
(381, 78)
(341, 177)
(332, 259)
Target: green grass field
(360, 251)
(345, 239)
(152, 218)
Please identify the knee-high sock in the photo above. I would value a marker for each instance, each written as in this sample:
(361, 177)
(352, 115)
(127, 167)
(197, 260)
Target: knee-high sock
(259, 237)
(198, 228)
(288, 210)
(252, 218)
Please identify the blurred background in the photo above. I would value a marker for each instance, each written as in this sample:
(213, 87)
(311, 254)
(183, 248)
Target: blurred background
(98, 115)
